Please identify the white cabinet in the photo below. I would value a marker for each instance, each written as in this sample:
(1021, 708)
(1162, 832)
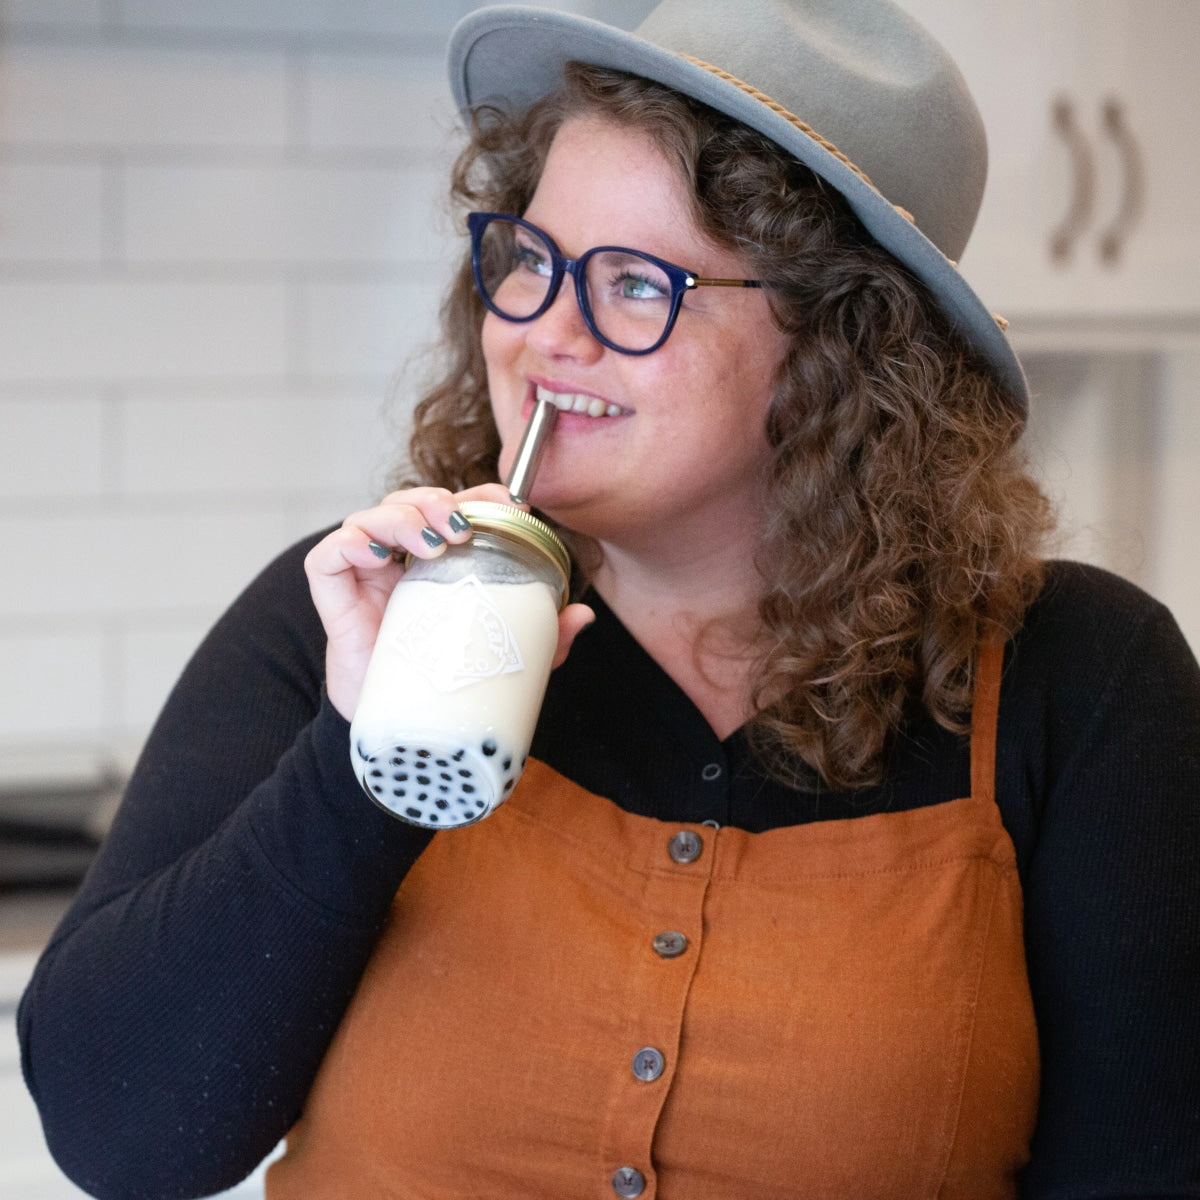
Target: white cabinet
(1092, 108)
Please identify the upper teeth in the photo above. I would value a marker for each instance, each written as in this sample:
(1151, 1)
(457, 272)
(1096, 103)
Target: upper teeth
(576, 402)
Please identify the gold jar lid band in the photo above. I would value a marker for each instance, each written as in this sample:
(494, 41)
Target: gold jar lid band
(487, 516)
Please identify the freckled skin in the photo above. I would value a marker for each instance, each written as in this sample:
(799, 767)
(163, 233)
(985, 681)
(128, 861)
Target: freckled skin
(691, 449)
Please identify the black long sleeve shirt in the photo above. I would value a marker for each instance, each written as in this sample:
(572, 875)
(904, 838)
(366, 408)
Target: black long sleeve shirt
(177, 1017)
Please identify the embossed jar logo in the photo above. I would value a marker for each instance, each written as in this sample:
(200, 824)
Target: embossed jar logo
(460, 638)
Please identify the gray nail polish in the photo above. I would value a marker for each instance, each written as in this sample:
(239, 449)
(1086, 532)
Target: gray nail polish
(378, 550)
(433, 539)
(459, 523)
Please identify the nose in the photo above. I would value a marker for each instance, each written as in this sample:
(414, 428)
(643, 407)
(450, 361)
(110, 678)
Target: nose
(561, 331)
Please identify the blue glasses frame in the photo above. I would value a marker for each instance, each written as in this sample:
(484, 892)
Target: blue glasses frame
(681, 280)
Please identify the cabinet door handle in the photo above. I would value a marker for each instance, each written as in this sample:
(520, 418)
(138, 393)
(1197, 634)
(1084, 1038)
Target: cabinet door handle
(1083, 181)
(1133, 194)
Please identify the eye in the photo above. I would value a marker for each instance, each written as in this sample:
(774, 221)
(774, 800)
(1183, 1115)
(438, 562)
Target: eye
(633, 286)
(618, 275)
(530, 255)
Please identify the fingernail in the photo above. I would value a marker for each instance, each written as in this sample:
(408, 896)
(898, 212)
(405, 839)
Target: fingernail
(378, 550)
(433, 539)
(459, 523)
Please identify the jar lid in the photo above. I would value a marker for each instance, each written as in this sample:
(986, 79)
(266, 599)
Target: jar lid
(490, 517)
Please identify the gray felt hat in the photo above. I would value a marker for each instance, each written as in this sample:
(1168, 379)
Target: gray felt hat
(857, 90)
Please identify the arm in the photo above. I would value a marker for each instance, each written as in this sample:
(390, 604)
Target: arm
(176, 1019)
(1113, 923)
(173, 1027)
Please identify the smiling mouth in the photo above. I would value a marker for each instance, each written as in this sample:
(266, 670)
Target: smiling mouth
(576, 402)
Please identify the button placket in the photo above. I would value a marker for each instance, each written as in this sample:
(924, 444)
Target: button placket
(677, 880)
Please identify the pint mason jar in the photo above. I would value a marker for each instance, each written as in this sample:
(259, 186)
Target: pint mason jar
(455, 682)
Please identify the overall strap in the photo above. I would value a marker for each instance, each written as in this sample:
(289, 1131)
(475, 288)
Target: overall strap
(985, 713)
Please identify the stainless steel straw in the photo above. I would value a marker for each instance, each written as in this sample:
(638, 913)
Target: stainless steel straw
(529, 453)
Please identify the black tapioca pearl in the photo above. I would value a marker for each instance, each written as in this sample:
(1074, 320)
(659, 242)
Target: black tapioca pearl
(424, 753)
(479, 804)
(508, 785)
(458, 755)
(441, 762)
(443, 787)
(462, 800)
(399, 792)
(377, 788)
(400, 777)
(424, 780)
(445, 775)
(415, 813)
(422, 796)
(377, 774)
(506, 764)
(468, 787)
(442, 804)
(465, 773)
(489, 747)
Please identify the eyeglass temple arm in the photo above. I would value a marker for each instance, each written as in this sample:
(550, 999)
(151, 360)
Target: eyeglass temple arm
(696, 281)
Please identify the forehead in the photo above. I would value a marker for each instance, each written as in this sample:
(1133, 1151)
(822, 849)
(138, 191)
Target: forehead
(610, 184)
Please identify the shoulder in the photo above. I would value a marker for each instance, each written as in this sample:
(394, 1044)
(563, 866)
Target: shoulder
(282, 583)
(1106, 603)
(1098, 673)
(1086, 626)
(272, 620)
(283, 577)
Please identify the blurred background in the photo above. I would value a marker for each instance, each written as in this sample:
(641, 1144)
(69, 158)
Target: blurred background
(222, 242)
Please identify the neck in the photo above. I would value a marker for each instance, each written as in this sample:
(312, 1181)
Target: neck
(695, 612)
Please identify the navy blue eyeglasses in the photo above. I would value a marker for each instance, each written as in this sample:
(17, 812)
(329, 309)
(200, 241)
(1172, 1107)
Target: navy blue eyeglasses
(629, 300)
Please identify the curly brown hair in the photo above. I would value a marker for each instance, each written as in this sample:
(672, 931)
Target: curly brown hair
(904, 528)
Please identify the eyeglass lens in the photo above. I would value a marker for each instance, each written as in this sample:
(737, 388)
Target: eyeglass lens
(629, 297)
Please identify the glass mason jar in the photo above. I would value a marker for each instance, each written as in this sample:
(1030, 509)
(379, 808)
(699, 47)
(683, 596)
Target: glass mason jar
(455, 682)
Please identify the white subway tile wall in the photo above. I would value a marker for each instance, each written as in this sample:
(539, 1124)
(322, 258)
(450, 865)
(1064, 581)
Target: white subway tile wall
(222, 238)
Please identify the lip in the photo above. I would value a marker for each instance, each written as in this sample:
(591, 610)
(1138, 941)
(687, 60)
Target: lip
(568, 417)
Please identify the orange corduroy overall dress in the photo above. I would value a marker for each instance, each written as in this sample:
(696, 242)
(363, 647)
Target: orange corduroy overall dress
(571, 1001)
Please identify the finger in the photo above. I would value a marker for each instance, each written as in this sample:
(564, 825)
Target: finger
(342, 571)
(420, 521)
(571, 622)
(442, 519)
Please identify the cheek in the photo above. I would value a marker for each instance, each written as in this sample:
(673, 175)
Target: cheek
(495, 342)
(501, 342)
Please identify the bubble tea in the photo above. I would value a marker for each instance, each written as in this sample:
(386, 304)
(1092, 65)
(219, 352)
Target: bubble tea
(456, 679)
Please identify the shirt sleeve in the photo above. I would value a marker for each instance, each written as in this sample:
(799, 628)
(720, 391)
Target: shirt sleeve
(1112, 911)
(175, 1021)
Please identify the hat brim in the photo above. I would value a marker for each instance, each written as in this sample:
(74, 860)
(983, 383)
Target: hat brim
(512, 55)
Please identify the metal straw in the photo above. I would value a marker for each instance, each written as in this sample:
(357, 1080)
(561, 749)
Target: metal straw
(529, 453)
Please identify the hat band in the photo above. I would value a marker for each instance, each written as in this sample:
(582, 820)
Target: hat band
(803, 126)
(823, 142)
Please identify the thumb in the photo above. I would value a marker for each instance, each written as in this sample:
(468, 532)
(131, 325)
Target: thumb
(572, 619)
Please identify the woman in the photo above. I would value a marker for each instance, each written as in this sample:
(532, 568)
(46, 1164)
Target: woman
(855, 856)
